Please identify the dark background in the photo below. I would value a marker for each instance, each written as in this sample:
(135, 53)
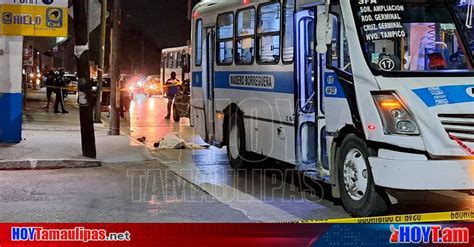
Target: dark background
(147, 27)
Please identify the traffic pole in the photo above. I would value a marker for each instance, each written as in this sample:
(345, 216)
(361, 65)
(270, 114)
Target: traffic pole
(81, 50)
(100, 74)
(115, 71)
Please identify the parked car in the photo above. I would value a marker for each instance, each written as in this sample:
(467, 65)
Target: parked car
(73, 82)
(153, 86)
(105, 101)
(133, 85)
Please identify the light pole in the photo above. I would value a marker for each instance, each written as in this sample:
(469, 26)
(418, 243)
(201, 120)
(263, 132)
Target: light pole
(115, 71)
(81, 51)
(100, 74)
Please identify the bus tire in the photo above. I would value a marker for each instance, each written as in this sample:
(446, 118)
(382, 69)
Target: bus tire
(236, 149)
(359, 194)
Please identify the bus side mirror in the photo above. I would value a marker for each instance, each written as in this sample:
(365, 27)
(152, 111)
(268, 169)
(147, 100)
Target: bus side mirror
(324, 32)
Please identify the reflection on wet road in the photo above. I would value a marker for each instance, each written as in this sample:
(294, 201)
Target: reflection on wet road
(147, 119)
(267, 193)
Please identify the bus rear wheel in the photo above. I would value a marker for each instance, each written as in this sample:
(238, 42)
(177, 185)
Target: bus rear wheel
(236, 151)
(360, 196)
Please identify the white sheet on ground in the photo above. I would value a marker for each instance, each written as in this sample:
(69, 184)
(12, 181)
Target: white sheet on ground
(174, 140)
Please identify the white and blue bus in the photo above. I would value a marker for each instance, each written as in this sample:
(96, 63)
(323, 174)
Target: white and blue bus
(175, 59)
(364, 95)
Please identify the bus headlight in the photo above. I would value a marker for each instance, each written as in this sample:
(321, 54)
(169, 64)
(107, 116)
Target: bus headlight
(396, 117)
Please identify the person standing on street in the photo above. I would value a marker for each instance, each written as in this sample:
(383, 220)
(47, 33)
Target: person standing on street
(171, 89)
(60, 83)
(49, 90)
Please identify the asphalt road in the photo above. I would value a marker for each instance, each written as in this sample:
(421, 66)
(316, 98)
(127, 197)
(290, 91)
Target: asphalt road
(276, 188)
(182, 186)
(131, 186)
(128, 192)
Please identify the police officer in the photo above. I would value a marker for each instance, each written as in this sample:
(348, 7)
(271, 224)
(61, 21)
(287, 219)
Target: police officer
(60, 83)
(171, 89)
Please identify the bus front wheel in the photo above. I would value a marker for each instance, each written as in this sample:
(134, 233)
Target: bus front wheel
(236, 150)
(360, 196)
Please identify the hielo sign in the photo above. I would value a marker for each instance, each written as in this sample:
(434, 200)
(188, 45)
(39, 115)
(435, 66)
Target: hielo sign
(46, 18)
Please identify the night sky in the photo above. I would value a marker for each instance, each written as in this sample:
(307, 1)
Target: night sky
(155, 24)
(147, 27)
(164, 21)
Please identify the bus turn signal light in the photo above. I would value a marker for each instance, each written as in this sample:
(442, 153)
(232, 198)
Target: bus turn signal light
(390, 104)
(396, 118)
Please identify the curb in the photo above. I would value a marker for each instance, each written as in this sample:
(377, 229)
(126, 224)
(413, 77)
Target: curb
(44, 164)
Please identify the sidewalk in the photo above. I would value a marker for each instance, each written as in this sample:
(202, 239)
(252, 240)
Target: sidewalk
(52, 141)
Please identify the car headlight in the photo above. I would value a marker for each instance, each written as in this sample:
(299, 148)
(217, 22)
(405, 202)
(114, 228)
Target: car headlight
(396, 117)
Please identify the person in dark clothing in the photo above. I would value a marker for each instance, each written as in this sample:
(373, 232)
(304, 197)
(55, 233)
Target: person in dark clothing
(171, 89)
(49, 90)
(60, 81)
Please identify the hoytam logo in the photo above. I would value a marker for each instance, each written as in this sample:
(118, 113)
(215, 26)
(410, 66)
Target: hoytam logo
(429, 234)
(78, 234)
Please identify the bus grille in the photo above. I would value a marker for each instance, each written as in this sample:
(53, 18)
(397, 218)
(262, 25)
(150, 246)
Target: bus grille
(460, 126)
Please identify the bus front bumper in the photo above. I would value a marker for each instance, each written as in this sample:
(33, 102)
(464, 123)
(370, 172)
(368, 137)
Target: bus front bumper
(423, 174)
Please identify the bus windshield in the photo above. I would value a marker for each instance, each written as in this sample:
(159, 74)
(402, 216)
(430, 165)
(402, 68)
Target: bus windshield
(410, 36)
(460, 8)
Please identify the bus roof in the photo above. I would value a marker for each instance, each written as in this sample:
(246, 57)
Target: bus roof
(175, 49)
(212, 6)
(206, 7)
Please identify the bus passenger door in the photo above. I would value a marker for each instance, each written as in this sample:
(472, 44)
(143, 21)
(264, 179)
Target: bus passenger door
(307, 91)
(209, 83)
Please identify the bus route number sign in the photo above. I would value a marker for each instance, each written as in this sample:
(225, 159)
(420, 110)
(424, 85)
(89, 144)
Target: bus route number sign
(387, 64)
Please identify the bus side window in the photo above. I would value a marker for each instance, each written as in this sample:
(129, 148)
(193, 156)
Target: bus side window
(198, 43)
(185, 62)
(170, 60)
(225, 38)
(334, 52)
(346, 58)
(179, 61)
(163, 60)
(245, 41)
(269, 33)
(175, 60)
(288, 25)
(338, 55)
